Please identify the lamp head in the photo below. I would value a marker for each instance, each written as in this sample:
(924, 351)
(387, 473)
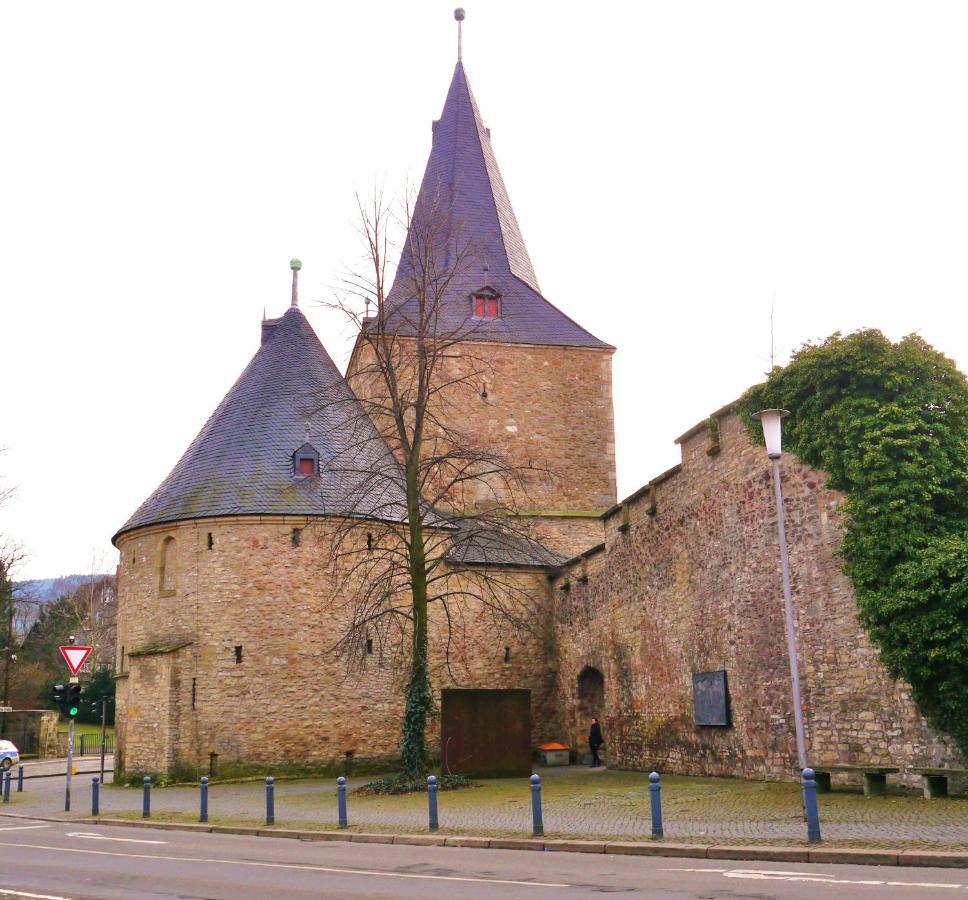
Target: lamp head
(771, 420)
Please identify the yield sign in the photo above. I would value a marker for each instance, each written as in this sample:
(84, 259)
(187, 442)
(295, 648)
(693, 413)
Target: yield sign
(75, 657)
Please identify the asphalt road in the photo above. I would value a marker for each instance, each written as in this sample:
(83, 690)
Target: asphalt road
(83, 765)
(68, 860)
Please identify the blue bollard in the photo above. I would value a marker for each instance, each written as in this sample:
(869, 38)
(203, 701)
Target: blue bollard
(432, 801)
(95, 798)
(20, 779)
(655, 801)
(538, 825)
(146, 798)
(6, 786)
(810, 806)
(341, 801)
(270, 802)
(203, 808)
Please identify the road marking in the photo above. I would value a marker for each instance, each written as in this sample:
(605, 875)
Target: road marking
(22, 827)
(103, 837)
(817, 878)
(32, 896)
(370, 873)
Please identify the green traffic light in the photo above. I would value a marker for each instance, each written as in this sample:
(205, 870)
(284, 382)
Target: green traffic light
(72, 711)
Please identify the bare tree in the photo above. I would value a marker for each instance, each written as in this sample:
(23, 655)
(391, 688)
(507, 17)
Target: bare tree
(450, 540)
(11, 555)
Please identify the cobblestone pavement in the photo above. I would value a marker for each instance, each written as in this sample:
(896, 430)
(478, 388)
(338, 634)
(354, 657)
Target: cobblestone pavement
(576, 803)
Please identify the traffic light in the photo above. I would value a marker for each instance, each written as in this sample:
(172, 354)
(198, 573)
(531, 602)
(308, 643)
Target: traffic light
(60, 696)
(73, 700)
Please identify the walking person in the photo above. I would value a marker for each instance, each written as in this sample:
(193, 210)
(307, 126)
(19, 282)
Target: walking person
(595, 742)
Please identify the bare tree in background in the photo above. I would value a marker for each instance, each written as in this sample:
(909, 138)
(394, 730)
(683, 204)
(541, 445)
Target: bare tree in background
(11, 555)
(451, 540)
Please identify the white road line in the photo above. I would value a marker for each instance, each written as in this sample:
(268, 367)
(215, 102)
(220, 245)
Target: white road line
(103, 837)
(32, 896)
(816, 878)
(22, 827)
(307, 868)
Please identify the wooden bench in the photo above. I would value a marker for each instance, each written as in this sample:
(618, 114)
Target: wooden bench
(875, 778)
(936, 780)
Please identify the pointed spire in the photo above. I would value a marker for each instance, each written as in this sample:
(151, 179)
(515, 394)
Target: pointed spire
(463, 196)
(295, 265)
(459, 16)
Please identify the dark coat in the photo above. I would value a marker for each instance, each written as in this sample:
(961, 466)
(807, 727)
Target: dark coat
(595, 736)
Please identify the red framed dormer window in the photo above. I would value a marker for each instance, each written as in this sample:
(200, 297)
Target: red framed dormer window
(486, 305)
(305, 461)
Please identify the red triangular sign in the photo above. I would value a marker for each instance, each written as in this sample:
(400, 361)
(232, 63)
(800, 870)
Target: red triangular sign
(75, 657)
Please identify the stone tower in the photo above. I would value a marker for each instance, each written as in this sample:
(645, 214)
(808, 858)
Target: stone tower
(546, 399)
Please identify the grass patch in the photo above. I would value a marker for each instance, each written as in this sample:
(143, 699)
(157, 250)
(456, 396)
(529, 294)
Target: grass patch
(82, 728)
(400, 784)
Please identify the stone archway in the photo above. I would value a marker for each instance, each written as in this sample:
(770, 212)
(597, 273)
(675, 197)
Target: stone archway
(591, 694)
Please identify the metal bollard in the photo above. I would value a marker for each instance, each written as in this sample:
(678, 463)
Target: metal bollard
(270, 802)
(146, 798)
(432, 801)
(538, 825)
(655, 801)
(20, 779)
(95, 796)
(203, 808)
(6, 786)
(810, 806)
(341, 801)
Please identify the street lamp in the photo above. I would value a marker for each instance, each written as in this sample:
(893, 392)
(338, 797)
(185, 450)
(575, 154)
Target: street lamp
(771, 420)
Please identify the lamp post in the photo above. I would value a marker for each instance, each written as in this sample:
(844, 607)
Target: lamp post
(771, 420)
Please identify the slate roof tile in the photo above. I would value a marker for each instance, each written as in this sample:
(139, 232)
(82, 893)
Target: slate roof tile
(241, 462)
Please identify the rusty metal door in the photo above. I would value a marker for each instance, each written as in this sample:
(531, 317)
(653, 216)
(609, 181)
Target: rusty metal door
(485, 734)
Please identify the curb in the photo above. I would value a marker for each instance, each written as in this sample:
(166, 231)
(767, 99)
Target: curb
(751, 852)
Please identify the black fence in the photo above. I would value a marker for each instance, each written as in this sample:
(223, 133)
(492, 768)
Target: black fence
(90, 744)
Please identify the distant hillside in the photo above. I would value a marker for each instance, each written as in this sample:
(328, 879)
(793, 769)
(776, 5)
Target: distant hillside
(41, 591)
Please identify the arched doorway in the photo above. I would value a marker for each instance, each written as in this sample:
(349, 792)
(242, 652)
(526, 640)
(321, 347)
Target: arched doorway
(591, 695)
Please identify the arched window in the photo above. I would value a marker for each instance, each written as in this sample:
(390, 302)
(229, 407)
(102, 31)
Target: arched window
(168, 567)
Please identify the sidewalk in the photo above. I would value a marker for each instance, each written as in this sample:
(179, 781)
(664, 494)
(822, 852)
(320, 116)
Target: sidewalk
(578, 804)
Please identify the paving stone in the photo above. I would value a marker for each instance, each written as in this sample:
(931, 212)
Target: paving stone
(659, 848)
(576, 846)
(468, 842)
(420, 840)
(858, 857)
(515, 844)
(754, 851)
(933, 858)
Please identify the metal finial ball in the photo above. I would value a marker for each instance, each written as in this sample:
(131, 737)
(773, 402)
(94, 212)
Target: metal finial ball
(295, 264)
(459, 14)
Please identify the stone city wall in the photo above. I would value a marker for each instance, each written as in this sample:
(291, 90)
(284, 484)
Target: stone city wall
(184, 694)
(688, 581)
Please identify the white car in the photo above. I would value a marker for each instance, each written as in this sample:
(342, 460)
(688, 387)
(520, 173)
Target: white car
(9, 755)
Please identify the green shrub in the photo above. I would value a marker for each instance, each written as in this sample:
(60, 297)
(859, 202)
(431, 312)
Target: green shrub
(401, 784)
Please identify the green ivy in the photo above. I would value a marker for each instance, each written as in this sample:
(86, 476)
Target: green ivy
(889, 424)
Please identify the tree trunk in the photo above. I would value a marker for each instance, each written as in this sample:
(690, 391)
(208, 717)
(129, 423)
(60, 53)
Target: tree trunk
(419, 698)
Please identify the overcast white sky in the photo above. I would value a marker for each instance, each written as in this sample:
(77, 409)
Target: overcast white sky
(676, 167)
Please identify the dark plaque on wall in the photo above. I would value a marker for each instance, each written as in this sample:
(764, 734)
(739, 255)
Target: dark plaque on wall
(710, 698)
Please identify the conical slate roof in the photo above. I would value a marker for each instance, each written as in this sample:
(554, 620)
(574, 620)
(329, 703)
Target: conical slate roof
(462, 190)
(242, 461)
